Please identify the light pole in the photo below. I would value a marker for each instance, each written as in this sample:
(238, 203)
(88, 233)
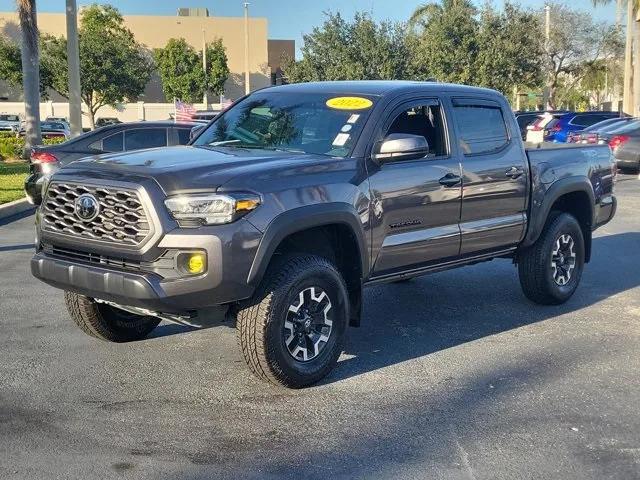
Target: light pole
(247, 75)
(73, 63)
(547, 44)
(205, 100)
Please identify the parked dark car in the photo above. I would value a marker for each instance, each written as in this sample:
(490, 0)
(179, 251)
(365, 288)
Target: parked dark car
(558, 129)
(293, 200)
(121, 137)
(590, 134)
(104, 121)
(625, 145)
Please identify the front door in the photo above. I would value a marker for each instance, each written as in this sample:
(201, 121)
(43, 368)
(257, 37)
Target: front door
(495, 176)
(415, 203)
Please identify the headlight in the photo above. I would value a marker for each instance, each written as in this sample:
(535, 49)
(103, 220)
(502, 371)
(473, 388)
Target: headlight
(210, 209)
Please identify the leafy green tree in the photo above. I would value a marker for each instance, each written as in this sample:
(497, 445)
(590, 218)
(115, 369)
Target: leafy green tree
(180, 70)
(574, 39)
(217, 68)
(445, 41)
(10, 63)
(509, 51)
(361, 49)
(113, 67)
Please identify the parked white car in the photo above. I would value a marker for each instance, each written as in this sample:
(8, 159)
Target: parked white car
(9, 122)
(535, 131)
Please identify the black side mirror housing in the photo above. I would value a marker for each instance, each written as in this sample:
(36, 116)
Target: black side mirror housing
(400, 146)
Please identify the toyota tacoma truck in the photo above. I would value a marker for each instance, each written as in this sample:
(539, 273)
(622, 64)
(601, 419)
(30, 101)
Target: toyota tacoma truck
(285, 206)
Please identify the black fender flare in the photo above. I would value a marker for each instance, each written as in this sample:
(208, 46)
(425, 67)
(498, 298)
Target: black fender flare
(303, 218)
(540, 208)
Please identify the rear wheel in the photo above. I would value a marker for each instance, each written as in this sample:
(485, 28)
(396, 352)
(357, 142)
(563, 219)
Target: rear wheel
(550, 270)
(106, 322)
(291, 332)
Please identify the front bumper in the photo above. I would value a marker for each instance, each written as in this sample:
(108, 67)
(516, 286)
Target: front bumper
(230, 252)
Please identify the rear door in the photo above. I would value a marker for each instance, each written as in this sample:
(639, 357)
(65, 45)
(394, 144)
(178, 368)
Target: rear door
(494, 175)
(415, 203)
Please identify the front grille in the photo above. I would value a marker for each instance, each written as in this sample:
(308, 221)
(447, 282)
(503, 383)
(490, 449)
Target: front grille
(91, 258)
(122, 219)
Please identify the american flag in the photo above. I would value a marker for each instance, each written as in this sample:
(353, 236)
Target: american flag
(184, 111)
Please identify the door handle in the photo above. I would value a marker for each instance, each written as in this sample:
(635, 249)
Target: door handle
(514, 172)
(450, 180)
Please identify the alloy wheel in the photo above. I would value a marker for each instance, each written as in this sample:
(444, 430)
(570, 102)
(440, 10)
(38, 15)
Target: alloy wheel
(308, 325)
(563, 259)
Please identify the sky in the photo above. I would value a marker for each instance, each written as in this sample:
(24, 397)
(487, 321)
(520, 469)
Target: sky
(290, 19)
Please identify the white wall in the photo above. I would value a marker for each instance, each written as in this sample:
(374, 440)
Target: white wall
(126, 112)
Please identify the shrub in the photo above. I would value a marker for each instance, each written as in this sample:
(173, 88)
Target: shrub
(11, 147)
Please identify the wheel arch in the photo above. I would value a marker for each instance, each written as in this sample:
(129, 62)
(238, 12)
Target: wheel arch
(333, 231)
(573, 195)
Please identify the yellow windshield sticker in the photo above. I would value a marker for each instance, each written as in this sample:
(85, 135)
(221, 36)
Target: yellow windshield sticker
(349, 103)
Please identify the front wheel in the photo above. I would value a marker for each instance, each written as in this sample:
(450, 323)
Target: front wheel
(291, 332)
(106, 322)
(550, 270)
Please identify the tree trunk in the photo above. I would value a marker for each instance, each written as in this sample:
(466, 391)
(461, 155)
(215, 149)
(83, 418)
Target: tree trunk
(30, 73)
(91, 113)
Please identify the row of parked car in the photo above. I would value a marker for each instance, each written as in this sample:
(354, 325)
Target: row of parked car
(51, 127)
(621, 133)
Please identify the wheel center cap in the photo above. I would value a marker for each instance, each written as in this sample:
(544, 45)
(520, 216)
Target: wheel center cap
(307, 323)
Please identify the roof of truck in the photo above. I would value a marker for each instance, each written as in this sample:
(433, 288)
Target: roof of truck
(375, 87)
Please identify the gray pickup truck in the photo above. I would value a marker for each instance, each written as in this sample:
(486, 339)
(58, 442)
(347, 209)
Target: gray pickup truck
(286, 205)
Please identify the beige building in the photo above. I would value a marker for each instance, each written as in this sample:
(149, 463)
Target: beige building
(195, 26)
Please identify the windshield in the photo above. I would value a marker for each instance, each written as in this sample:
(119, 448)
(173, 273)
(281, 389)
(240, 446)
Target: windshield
(308, 123)
(9, 118)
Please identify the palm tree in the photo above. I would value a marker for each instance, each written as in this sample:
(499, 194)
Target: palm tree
(30, 71)
(631, 92)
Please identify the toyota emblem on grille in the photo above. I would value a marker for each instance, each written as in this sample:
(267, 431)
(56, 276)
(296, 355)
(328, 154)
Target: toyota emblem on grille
(87, 207)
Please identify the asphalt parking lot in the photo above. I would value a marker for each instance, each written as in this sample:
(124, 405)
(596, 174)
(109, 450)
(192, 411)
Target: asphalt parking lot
(453, 376)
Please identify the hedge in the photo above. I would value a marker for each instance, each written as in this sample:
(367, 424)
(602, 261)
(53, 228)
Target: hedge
(12, 146)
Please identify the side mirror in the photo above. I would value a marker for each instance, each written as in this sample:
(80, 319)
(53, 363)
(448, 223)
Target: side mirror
(195, 131)
(401, 146)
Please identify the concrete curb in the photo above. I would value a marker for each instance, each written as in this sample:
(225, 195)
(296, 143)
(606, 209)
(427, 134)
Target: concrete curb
(14, 208)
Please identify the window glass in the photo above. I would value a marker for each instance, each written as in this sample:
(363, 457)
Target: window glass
(481, 128)
(112, 143)
(145, 138)
(317, 123)
(524, 120)
(426, 121)
(183, 135)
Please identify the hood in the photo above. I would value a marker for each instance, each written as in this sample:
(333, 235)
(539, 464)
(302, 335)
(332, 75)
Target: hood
(185, 167)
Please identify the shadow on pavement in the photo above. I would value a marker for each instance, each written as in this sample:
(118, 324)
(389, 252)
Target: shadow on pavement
(440, 311)
(19, 216)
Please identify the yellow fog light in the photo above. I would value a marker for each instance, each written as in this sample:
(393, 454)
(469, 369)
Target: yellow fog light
(193, 263)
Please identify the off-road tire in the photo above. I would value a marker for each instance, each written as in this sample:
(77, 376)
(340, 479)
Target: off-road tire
(260, 321)
(107, 323)
(534, 263)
